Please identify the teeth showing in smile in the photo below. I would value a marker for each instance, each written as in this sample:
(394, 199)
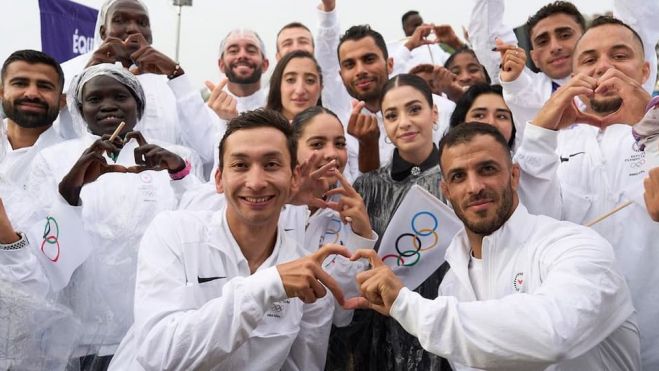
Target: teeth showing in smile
(257, 199)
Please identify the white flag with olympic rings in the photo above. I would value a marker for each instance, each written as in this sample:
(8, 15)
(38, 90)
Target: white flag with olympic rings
(417, 237)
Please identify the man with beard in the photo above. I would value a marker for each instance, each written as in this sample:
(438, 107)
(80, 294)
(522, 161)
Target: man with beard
(578, 165)
(553, 32)
(522, 291)
(31, 97)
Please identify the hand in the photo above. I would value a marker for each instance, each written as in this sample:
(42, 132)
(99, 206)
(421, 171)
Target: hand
(304, 277)
(634, 97)
(560, 111)
(327, 5)
(363, 127)
(152, 157)
(379, 285)
(7, 233)
(312, 184)
(420, 37)
(222, 102)
(147, 59)
(513, 60)
(350, 207)
(651, 195)
(111, 51)
(446, 35)
(445, 81)
(89, 167)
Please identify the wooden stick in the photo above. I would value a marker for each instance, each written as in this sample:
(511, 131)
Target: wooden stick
(117, 131)
(618, 208)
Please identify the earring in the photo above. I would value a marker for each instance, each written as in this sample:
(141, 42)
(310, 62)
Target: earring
(387, 140)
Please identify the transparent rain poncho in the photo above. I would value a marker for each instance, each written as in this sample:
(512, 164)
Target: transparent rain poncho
(122, 75)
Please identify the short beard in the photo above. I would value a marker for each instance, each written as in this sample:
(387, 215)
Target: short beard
(604, 106)
(29, 120)
(372, 96)
(251, 79)
(487, 227)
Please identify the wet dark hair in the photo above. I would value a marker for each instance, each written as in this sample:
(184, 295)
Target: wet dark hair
(359, 32)
(462, 50)
(294, 25)
(261, 118)
(33, 57)
(302, 119)
(406, 79)
(464, 133)
(608, 20)
(463, 105)
(274, 94)
(557, 7)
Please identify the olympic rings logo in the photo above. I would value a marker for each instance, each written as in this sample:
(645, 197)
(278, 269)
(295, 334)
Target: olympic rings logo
(422, 239)
(333, 229)
(637, 164)
(51, 237)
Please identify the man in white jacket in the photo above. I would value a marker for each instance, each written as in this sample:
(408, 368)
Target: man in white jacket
(216, 290)
(31, 95)
(578, 172)
(523, 292)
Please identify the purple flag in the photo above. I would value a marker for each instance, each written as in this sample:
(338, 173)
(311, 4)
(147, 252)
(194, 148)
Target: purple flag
(67, 28)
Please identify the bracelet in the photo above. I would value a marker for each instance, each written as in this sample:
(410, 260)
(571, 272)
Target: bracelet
(23, 242)
(181, 173)
(176, 73)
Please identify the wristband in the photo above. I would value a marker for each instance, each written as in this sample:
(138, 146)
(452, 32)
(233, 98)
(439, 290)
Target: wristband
(176, 73)
(182, 173)
(23, 242)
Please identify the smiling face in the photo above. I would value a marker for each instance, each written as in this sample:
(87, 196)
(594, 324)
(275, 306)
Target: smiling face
(256, 176)
(105, 104)
(323, 135)
(242, 60)
(364, 70)
(492, 109)
(31, 94)
(408, 120)
(300, 86)
(124, 18)
(469, 72)
(481, 182)
(294, 38)
(553, 40)
(605, 47)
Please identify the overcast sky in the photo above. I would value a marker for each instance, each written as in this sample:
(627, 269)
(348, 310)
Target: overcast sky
(207, 22)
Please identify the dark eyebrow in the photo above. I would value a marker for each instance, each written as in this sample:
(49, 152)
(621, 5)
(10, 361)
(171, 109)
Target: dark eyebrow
(563, 29)
(412, 102)
(543, 35)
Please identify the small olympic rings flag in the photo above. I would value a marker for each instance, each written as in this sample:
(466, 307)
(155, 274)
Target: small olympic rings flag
(416, 239)
(63, 243)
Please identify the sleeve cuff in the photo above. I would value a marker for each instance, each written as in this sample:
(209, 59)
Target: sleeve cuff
(266, 285)
(517, 85)
(540, 137)
(400, 305)
(181, 86)
(355, 242)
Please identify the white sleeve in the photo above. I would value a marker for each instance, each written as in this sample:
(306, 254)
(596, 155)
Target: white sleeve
(642, 17)
(401, 56)
(525, 96)
(21, 266)
(334, 95)
(171, 332)
(200, 128)
(309, 350)
(486, 24)
(580, 302)
(540, 188)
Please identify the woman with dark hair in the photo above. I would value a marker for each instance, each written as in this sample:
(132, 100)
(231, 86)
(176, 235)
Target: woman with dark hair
(295, 84)
(484, 103)
(372, 341)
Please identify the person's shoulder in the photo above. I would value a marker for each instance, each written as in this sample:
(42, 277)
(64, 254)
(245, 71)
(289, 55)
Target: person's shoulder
(560, 236)
(184, 223)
